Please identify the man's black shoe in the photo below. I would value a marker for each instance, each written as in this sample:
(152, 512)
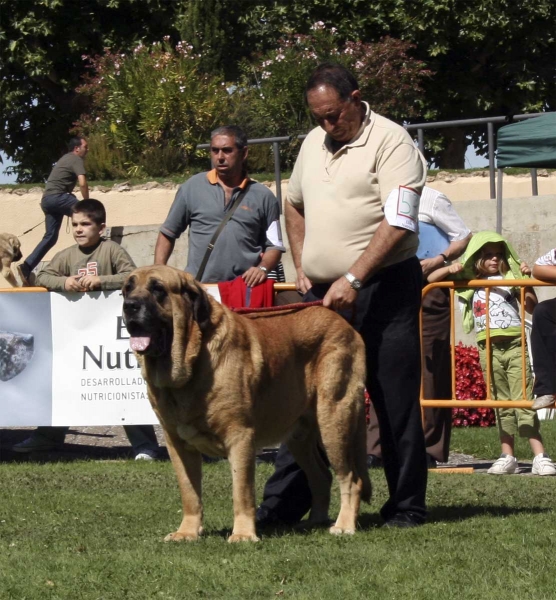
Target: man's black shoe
(373, 462)
(431, 462)
(265, 517)
(403, 520)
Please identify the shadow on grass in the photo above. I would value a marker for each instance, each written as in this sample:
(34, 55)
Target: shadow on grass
(449, 514)
(66, 453)
(367, 522)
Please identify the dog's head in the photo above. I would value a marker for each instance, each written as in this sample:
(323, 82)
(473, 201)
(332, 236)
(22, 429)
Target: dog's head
(166, 312)
(10, 247)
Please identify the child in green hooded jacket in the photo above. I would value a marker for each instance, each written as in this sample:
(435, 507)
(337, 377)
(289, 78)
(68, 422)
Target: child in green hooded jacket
(490, 256)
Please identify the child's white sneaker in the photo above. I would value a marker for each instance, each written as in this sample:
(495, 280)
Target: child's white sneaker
(543, 401)
(505, 465)
(542, 465)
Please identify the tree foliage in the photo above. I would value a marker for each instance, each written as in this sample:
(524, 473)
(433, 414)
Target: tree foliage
(270, 97)
(41, 44)
(154, 105)
(488, 57)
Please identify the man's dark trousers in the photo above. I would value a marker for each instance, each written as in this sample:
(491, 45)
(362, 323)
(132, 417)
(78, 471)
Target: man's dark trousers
(54, 207)
(543, 347)
(437, 378)
(387, 316)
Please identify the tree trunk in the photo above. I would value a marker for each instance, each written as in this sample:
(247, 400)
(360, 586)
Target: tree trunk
(453, 155)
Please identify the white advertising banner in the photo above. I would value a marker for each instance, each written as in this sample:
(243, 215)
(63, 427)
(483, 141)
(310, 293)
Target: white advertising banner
(96, 378)
(25, 359)
(81, 370)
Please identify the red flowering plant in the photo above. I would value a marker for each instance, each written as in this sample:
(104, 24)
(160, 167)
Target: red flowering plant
(367, 406)
(470, 385)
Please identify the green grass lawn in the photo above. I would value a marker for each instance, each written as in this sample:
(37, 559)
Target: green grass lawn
(94, 530)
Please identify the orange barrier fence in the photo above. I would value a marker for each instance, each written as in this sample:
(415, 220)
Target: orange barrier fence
(488, 402)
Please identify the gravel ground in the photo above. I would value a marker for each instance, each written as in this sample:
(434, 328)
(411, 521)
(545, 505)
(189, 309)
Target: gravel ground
(81, 442)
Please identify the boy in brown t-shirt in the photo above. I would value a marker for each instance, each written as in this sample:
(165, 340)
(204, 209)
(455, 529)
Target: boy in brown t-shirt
(92, 264)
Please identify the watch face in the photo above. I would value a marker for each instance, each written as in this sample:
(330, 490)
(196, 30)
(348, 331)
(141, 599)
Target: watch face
(354, 283)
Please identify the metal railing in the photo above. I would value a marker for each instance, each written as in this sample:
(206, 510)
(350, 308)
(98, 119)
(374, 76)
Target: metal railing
(420, 129)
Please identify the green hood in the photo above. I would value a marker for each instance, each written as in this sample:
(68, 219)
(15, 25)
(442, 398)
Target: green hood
(468, 260)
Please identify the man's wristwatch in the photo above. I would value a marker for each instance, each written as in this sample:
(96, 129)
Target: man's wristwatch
(263, 269)
(353, 281)
(446, 261)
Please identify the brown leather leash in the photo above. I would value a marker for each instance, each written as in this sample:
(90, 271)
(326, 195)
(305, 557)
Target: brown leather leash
(284, 307)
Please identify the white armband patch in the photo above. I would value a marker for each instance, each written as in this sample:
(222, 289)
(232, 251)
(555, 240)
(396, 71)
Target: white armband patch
(274, 234)
(402, 208)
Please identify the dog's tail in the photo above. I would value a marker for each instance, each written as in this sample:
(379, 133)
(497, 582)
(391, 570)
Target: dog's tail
(361, 458)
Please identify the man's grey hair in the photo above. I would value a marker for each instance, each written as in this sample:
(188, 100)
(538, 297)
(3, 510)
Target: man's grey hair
(234, 131)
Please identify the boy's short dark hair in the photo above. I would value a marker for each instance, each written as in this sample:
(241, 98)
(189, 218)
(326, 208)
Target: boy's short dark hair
(75, 142)
(94, 209)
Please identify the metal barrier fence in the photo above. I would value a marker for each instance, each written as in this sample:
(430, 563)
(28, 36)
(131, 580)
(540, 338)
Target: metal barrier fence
(420, 129)
(452, 286)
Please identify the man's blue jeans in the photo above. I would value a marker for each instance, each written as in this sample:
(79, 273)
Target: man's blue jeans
(54, 207)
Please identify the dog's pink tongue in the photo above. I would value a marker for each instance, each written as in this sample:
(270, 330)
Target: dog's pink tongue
(139, 344)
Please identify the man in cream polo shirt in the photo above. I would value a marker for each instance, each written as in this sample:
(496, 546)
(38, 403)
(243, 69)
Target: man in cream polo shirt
(352, 222)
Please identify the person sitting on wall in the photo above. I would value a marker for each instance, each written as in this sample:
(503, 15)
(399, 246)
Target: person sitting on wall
(58, 201)
(94, 263)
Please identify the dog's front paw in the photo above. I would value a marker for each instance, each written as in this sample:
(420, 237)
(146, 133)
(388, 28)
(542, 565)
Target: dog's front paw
(183, 536)
(341, 530)
(242, 537)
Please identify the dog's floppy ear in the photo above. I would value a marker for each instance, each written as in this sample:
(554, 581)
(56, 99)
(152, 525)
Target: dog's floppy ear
(200, 304)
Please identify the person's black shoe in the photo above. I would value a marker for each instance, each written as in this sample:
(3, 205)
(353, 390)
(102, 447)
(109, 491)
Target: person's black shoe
(431, 462)
(24, 273)
(265, 517)
(374, 462)
(402, 520)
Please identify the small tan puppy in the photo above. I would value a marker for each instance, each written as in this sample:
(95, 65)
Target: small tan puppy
(10, 251)
(225, 384)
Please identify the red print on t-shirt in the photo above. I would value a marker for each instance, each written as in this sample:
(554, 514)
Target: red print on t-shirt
(90, 269)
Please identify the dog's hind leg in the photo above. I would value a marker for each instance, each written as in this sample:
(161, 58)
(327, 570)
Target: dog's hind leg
(344, 440)
(241, 456)
(341, 419)
(187, 465)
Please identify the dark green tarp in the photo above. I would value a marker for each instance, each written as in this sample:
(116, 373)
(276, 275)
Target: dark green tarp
(530, 143)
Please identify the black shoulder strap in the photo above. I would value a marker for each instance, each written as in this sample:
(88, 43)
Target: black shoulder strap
(210, 247)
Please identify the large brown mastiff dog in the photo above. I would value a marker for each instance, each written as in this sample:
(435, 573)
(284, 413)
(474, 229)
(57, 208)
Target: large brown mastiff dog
(225, 384)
